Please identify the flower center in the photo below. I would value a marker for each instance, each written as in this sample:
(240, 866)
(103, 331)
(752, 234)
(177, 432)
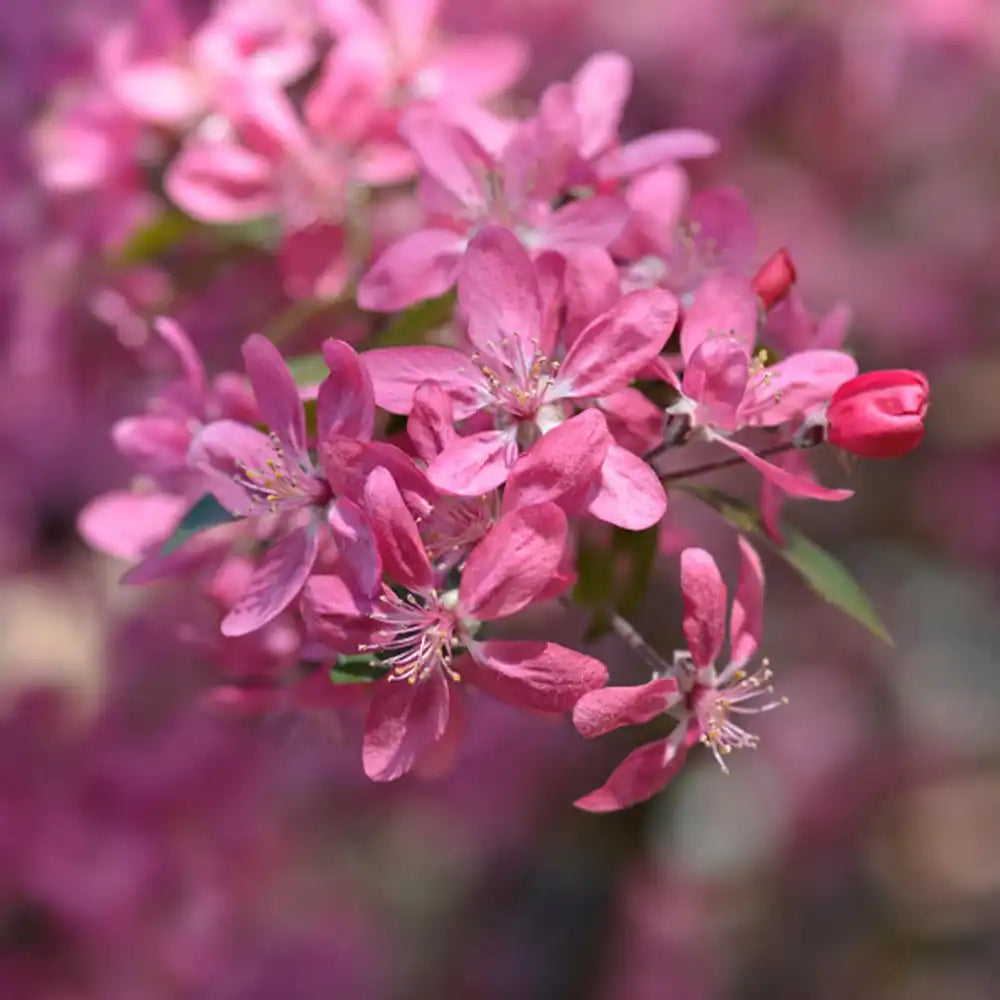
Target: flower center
(416, 635)
(714, 708)
(520, 379)
(279, 483)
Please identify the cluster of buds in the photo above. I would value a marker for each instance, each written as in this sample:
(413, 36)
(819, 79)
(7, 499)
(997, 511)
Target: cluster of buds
(589, 282)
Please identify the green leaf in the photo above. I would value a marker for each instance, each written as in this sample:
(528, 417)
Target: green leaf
(206, 513)
(359, 669)
(412, 326)
(826, 576)
(308, 369)
(151, 241)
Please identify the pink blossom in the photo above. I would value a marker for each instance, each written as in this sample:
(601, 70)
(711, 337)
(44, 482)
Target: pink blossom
(703, 698)
(463, 188)
(428, 636)
(727, 387)
(512, 376)
(274, 479)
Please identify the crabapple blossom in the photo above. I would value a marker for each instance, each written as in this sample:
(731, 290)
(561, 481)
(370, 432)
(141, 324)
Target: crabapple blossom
(707, 701)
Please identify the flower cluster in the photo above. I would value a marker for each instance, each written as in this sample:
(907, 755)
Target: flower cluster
(382, 512)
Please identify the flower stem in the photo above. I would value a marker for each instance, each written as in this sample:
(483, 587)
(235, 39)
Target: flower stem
(725, 463)
(628, 634)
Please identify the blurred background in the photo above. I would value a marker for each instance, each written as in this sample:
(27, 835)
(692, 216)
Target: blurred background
(149, 851)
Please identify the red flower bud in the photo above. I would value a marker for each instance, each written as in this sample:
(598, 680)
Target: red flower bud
(878, 414)
(774, 278)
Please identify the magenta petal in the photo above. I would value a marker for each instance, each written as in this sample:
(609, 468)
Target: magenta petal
(276, 393)
(513, 563)
(225, 450)
(561, 467)
(610, 352)
(746, 620)
(637, 778)
(630, 494)
(542, 676)
(724, 305)
(431, 427)
(418, 266)
(498, 291)
(357, 551)
(656, 149)
(399, 544)
(473, 465)
(704, 596)
(126, 525)
(276, 581)
(793, 485)
(345, 404)
(598, 712)
(600, 88)
(396, 372)
(403, 721)
(221, 183)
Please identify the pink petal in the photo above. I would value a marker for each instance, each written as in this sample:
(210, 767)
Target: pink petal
(541, 676)
(475, 464)
(722, 229)
(591, 287)
(158, 443)
(704, 596)
(347, 464)
(431, 427)
(597, 221)
(656, 149)
(127, 525)
(716, 378)
(403, 721)
(561, 467)
(224, 450)
(635, 421)
(638, 777)
(421, 265)
(630, 494)
(793, 386)
(358, 559)
(276, 394)
(772, 498)
(611, 351)
(221, 183)
(277, 580)
(793, 485)
(314, 261)
(746, 621)
(331, 596)
(657, 200)
(477, 67)
(399, 543)
(513, 563)
(352, 88)
(411, 24)
(600, 88)
(723, 305)
(498, 292)
(397, 372)
(345, 404)
(451, 156)
(598, 712)
(172, 332)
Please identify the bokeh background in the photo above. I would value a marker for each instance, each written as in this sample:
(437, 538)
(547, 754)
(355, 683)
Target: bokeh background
(149, 851)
